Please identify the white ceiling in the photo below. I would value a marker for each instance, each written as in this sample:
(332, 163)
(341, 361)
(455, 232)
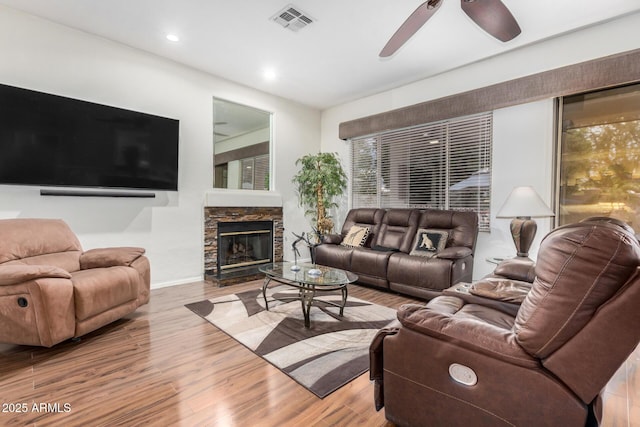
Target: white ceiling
(333, 60)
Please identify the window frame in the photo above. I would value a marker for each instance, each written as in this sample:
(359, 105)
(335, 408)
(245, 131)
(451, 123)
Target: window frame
(560, 203)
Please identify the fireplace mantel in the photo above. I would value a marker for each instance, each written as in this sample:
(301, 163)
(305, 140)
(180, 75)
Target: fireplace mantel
(242, 198)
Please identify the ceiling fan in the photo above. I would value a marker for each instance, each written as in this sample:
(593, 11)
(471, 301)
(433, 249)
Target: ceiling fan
(490, 15)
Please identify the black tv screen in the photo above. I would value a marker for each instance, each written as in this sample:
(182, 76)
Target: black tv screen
(51, 140)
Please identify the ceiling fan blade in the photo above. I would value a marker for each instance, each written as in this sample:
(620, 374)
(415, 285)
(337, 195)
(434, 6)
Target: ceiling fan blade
(413, 23)
(493, 17)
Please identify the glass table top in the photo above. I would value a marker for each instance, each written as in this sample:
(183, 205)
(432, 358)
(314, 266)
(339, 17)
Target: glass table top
(328, 276)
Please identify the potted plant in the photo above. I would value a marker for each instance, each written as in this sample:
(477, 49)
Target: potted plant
(320, 179)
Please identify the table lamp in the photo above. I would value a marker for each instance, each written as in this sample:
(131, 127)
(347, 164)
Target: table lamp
(522, 204)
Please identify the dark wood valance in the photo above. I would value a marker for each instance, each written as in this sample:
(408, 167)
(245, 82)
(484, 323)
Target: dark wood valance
(599, 73)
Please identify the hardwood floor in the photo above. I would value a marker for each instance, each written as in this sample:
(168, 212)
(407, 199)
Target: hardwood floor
(163, 365)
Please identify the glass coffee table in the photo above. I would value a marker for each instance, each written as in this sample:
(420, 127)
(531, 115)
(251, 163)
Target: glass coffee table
(308, 284)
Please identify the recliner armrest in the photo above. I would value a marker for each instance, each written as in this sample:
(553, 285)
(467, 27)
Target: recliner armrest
(501, 289)
(18, 273)
(375, 349)
(522, 269)
(376, 364)
(109, 257)
(444, 317)
(36, 307)
(454, 252)
(332, 239)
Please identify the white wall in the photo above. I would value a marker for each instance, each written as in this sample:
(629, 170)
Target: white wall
(522, 155)
(523, 135)
(44, 56)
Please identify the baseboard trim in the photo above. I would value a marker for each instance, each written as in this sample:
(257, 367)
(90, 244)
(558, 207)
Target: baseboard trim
(177, 282)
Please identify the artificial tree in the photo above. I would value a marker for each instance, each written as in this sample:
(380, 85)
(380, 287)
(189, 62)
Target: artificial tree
(320, 179)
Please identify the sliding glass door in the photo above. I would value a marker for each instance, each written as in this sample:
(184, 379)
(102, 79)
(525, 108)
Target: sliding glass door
(599, 161)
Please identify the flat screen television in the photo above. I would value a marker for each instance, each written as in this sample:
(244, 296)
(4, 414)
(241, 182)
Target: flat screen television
(51, 140)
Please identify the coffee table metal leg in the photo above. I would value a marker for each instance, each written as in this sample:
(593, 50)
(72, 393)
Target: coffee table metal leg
(344, 300)
(306, 298)
(267, 279)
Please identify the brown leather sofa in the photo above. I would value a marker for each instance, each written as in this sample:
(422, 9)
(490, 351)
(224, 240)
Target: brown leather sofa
(458, 364)
(386, 259)
(51, 290)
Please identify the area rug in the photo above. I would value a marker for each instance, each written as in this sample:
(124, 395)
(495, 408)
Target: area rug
(322, 358)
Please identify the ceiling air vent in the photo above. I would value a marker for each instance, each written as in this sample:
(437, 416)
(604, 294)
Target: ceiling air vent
(292, 18)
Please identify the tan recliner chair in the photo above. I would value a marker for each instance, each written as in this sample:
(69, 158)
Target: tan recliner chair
(50, 290)
(452, 363)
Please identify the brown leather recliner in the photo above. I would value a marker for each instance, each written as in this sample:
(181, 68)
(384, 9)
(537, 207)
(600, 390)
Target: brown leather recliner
(455, 364)
(51, 290)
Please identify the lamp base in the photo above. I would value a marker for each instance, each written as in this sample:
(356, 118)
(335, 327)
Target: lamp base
(523, 230)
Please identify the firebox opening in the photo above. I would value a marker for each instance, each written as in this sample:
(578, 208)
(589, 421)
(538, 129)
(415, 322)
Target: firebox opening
(244, 245)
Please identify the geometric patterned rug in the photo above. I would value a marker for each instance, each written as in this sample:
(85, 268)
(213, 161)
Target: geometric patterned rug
(322, 358)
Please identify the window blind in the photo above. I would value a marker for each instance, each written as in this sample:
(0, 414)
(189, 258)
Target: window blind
(261, 172)
(255, 172)
(442, 165)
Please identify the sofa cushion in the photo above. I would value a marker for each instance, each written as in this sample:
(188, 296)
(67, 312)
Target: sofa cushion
(16, 273)
(357, 236)
(429, 242)
(419, 272)
(398, 229)
(370, 262)
(101, 289)
(68, 261)
(24, 238)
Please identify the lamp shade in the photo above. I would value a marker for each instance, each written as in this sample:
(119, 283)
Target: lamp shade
(524, 202)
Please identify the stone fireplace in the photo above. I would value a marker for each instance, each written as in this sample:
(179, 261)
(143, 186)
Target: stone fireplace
(238, 240)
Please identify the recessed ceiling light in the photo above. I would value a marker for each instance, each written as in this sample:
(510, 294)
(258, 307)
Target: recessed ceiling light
(269, 74)
(173, 38)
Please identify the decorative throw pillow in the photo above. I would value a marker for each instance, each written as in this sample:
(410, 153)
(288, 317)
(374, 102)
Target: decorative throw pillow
(429, 242)
(357, 236)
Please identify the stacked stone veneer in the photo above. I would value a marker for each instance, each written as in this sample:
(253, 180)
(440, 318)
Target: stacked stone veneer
(215, 215)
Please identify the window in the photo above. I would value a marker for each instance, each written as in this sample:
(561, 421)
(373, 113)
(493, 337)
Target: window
(255, 173)
(443, 165)
(600, 156)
